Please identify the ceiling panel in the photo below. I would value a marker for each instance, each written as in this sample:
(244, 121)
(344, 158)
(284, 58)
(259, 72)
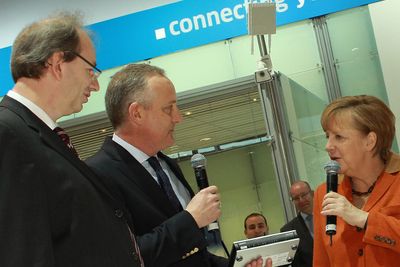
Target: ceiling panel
(224, 116)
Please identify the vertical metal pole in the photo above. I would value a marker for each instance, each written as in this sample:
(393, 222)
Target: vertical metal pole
(277, 128)
(327, 58)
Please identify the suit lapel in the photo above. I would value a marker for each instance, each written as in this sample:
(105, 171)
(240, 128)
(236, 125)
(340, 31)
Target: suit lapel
(50, 139)
(138, 175)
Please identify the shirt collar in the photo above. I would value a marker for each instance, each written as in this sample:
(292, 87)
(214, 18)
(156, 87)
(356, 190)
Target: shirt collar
(35, 109)
(135, 152)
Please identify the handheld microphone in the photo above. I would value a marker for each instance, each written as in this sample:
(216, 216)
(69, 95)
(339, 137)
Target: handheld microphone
(331, 167)
(199, 165)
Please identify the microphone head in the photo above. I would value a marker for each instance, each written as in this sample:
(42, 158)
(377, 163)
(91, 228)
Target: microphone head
(198, 160)
(332, 166)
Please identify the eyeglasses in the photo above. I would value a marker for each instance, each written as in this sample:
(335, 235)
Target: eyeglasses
(301, 196)
(95, 71)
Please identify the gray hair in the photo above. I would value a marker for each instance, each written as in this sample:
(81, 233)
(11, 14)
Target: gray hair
(37, 42)
(127, 86)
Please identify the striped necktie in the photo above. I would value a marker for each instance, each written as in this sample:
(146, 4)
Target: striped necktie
(65, 138)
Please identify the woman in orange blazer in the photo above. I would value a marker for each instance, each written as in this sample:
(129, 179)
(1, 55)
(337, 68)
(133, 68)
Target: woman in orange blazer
(359, 131)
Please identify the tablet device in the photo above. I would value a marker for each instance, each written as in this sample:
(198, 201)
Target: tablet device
(280, 247)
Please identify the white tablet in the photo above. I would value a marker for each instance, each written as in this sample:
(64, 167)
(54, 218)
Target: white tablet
(280, 247)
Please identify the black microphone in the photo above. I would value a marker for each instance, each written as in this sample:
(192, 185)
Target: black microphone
(199, 165)
(332, 168)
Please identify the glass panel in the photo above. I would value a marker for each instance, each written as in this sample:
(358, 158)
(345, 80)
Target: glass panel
(304, 109)
(357, 59)
(295, 53)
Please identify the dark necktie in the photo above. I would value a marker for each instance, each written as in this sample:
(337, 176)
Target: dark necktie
(164, 182)
(65, 138)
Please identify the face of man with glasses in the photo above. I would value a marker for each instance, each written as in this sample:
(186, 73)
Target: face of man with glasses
(302, 197)
(93, 71)
(81, 76)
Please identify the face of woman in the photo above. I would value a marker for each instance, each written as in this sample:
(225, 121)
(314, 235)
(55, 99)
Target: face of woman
(348, 146)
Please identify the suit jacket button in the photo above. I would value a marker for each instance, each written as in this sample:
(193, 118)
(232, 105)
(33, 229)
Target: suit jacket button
(360, 252)
(119, 213)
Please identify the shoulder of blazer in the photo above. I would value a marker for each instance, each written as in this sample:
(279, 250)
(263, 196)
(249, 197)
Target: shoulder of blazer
(131, 178)
(112, 157)
(121, 158)
(296, 222)
(50, 139)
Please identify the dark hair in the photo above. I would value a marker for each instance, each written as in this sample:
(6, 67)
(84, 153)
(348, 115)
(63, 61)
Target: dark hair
(254, 214)
(369, 114)
(126, 86)
(37, 42)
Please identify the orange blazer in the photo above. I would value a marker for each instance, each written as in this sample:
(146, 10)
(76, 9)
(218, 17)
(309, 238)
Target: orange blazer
(379, 244)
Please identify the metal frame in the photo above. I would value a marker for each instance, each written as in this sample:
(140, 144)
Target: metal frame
(277, 128)
(327, 58)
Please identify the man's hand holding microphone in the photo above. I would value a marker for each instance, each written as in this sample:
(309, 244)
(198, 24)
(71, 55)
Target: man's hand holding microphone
(205, 206)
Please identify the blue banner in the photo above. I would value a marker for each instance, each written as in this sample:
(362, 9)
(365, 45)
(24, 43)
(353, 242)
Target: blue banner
(182, 25)
(6, 82)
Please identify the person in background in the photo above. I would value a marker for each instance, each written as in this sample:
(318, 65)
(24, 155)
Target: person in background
(53, 210)
(255, 225)
(142, 107)
(359, 132)
(303, 197)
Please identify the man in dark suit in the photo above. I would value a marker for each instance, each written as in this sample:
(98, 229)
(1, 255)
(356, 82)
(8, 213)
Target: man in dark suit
(53, 210)
(302, 196)
(167, 216)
